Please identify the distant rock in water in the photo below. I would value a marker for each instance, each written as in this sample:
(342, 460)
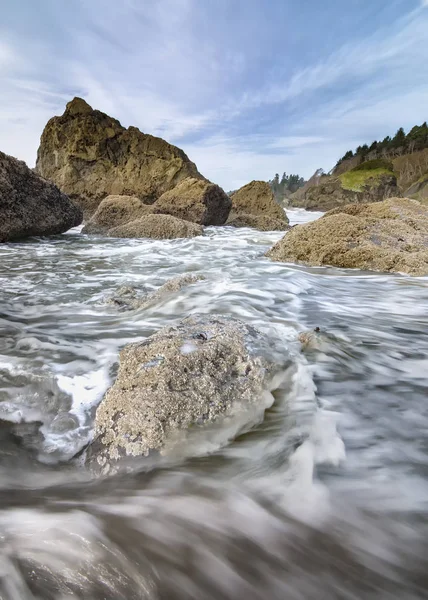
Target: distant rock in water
(158, 227)
(115, 211)
(127, 216)
(383, 236)
(30, 205)
(189, 375)
(196, 200)
(129, 298)
(253, 201)
(89, 155)
(260, 222)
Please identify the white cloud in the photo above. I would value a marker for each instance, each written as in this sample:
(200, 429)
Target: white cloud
(151, 68)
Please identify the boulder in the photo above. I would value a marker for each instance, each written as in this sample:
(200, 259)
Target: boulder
(383, 236)
(114, 211)
(30, 205)
(195, 200)
(128, 298)
(188, 375)
(260, 222)
(158, 227)
(256, 198)
(90, 156)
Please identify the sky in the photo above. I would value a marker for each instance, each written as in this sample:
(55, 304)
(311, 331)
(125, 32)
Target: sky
(247, 88)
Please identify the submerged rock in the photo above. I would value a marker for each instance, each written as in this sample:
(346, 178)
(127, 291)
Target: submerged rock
(256, 199)
(30, 205)
(158, 227)
(384, 236)
(260, 222)
(196, 200)
(89, 155)
(188, 375)
(127, 297)
(114, 211)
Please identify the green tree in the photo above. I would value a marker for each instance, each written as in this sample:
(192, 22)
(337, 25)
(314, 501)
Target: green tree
(399, 139)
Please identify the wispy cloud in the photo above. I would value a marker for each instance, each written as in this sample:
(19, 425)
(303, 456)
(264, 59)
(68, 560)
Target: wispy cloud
(208, 78)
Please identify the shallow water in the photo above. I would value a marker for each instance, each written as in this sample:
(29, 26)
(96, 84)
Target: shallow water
(324, 496)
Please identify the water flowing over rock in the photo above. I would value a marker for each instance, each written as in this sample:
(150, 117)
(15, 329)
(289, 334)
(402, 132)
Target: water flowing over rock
(383, 236)
(184, 376)
(253, 201)
(128, 297)
(196, 200)
(158, 227)
(89, 155)
(30, 205)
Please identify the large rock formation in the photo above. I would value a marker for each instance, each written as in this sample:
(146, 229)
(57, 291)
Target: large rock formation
(89, 155)
(190, 375)
(29, 205)
(158, 227)
(196, 200)
(384, 236)
(255, 199)
(372, 181)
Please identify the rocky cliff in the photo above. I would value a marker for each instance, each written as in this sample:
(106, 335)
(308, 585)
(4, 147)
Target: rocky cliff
(89, 155)
(372, 181)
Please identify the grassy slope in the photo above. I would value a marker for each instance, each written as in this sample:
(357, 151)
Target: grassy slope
(355, 180)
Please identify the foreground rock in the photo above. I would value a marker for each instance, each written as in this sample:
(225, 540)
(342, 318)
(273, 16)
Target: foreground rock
(157, 227)
(114, 211)
(29, 205)
(260, 222)
(384, 236)
(256, 199)
(89, 155)
(196, 200)
(128, 298)
(189, 375)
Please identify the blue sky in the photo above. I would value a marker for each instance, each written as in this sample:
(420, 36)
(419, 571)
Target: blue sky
(246, 87)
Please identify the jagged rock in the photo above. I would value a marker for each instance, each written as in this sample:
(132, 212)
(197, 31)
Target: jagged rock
(383, 236)
(158, 227)
(260, 222)
(30, 205)
(195, 200)
(184, 376)
(256, 199)
(114, 211)
(89, 155)
(128, 298)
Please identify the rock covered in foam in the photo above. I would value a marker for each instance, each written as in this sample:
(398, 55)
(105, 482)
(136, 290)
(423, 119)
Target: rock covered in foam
(184, 376)
(128, 298)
